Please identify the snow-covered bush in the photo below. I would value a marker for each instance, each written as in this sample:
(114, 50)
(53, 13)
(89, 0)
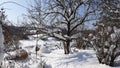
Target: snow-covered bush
(17, 55)
(41, 64)
(106, 43)
(8, 64)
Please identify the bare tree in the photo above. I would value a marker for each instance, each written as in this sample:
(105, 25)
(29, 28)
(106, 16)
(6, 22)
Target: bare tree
(61, 18)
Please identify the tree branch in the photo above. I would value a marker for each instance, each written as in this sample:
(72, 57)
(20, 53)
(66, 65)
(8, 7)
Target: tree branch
(82, 19)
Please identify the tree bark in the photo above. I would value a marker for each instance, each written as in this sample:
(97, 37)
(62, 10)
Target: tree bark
(66, 47)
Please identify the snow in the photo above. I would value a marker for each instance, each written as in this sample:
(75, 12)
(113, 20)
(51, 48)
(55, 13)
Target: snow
(54, 57)
(113, 37)
(116, 34)
(59, 36)
(44, 49)
(82, 59)
(109, 29)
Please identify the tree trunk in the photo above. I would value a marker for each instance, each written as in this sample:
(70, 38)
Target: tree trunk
(66, 47)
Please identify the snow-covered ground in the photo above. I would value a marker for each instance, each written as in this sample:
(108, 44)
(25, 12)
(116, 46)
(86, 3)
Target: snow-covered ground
(54, 57)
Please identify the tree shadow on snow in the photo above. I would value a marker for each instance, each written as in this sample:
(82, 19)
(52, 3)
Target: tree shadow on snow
(78, 57)
(82, 56)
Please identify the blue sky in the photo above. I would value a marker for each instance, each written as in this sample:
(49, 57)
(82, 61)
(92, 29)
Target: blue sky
(13, 11)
